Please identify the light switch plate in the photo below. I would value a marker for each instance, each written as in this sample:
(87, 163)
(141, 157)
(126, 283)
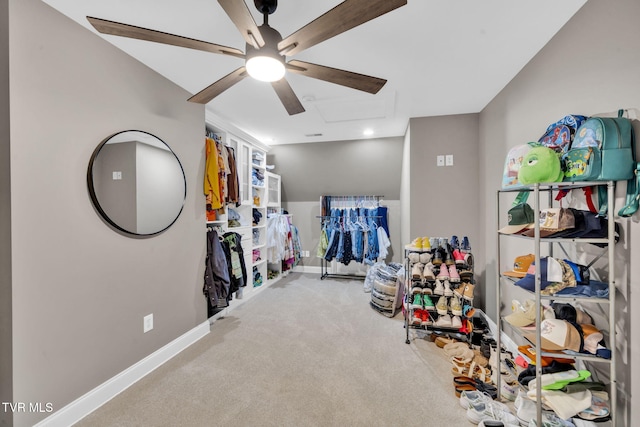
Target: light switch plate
(449, 160)
(440, 160)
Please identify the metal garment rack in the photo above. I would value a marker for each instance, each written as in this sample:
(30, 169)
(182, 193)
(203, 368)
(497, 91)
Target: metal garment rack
(343, 202)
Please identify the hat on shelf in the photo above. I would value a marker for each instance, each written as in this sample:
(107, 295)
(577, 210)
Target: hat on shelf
(550, 272)
(520, 266)
(520, 217)
(568, 312)
(592, 337)
(557, 334)
(524, 314)
(552, 220)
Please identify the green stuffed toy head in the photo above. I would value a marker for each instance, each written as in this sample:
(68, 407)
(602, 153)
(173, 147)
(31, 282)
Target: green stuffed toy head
(540, 164)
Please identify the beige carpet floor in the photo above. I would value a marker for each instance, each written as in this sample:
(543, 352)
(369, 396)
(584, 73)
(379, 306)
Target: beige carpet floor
(304, 352)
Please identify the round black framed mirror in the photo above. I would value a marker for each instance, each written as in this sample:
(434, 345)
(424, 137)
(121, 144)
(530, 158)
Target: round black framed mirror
(136, 183)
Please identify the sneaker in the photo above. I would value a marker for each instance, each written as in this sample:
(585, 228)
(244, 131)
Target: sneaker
(438, 288)
(550, 420)
(447, 289)
(414, 257)
(448, 255)
(427, 303)
(509, 391)
(443, 273)
(455, 306)
(416, 287)
(417, 302)
(471, 397)
(454, 277)
(466, 275)
(426, 244)
(437, 257)
(458, 257)
(416, 245)
(416, 319)
(424, 257)
(442, 308)
(468, 292)
(494, 411)
(464, 245)
(426, 318)
(456, 322)
(416, 271)
(426, 290)
(427, 272)
(495, 423)
(443, 321)
(454, 242)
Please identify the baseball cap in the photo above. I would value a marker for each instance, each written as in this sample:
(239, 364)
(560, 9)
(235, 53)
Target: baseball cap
(568, 312)
(557, 334)
(520, 266)
(552, 220)
(519, 218)
(592, 337)
(550, 272)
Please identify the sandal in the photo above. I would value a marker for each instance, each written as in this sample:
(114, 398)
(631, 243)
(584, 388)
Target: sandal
(459, 350)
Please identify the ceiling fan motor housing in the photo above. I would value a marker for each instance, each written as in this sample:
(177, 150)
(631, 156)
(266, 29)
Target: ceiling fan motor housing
(271, 39)
(266, 6)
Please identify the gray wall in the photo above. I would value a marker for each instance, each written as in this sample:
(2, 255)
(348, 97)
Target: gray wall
(443, 200)
(591, 66)
(360, 167)
(80, 290)
(6, 382)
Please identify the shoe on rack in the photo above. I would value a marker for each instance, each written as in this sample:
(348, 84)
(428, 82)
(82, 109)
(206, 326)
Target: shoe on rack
(426, 318)
(443, 321)
(416, 245)
(424, 257)
(437, 258)
(455, 306)
(416, 271)
(426, 244)
(427, 303)
(468, 292)
(466, 275)
(438, 288)
(459, 291)
(454, 277)
(427, 272)
(443, 273)
(416, 318)
(493, 411)
(472, 397)
(414, 257)
(454, 242)
(468, 311)
(448, 255)
(458, 257)
(456, 322)
(447, 289)
(416, 287)
(464, 245)
(417, 302)
(426, 290)
(442, 308)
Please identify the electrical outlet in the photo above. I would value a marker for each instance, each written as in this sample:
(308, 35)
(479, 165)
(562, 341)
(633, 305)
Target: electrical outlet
(449, 160)
(147, 323)
(440, 160)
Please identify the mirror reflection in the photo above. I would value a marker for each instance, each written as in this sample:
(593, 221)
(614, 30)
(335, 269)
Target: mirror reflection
(136, 183)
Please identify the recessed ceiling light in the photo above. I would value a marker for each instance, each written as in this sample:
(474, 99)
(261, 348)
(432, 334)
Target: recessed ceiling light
(367, 132)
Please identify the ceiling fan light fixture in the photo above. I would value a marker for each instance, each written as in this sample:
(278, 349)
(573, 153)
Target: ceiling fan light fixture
(265, 68)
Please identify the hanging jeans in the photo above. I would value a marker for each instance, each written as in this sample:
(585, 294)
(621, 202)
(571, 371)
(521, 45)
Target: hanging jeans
(372, 237)
(334, 231)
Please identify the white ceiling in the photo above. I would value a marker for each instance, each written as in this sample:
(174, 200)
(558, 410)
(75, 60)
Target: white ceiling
(440, 57)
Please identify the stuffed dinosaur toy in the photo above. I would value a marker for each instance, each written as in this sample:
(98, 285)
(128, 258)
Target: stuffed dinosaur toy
(540, 164)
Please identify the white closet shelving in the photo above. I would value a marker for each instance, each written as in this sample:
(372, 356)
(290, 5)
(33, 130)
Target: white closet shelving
(562, 245)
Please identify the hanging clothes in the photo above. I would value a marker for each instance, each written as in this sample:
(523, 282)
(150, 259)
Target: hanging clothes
(216, 273)
(233, 183)
(232, 246)
(212, 179)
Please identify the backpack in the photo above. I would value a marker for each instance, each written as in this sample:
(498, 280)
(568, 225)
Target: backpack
(603, 149)
(512, 164)
(560, 134)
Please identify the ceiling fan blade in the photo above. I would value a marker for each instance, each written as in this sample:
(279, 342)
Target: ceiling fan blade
(340, 77)
(125, 30)
(289, 99)
(242, 18)
(210, 92)
(343, 17)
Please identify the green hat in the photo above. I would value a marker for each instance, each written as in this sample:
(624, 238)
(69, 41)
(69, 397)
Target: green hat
(520, 217)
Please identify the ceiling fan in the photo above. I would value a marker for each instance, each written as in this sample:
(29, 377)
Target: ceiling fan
(266, 50)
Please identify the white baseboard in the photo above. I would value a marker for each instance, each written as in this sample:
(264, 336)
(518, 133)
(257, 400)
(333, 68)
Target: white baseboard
(84, 405)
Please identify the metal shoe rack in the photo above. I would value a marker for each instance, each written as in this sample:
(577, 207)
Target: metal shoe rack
(427, 287)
